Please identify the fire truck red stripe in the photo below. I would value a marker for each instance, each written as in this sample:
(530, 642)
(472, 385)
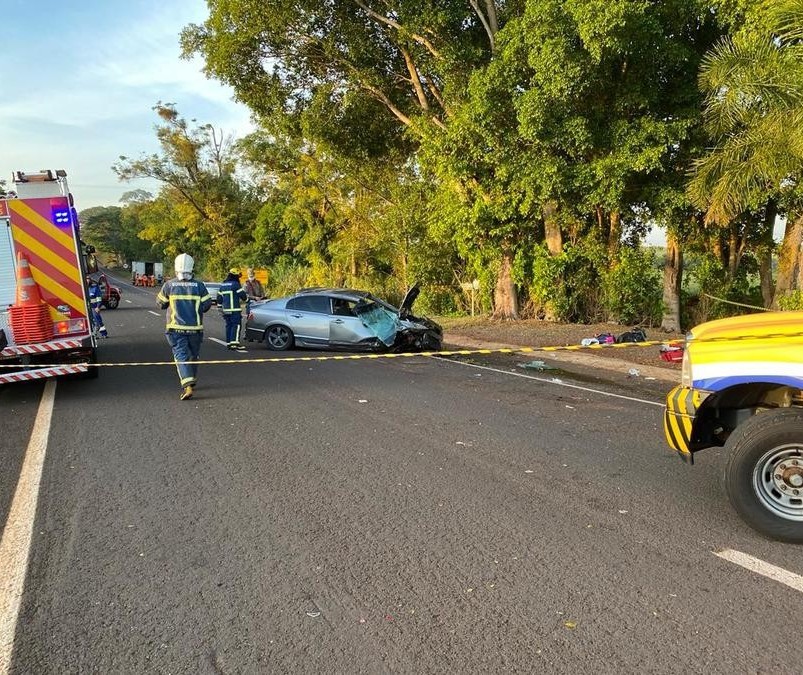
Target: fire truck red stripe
(44, 237)
(57, 275)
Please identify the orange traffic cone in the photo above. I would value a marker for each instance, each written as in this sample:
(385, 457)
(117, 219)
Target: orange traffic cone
(28, 294)
(30, 315)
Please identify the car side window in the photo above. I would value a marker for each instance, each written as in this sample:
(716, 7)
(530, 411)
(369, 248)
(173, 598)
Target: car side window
(319, 304)
(343, 307)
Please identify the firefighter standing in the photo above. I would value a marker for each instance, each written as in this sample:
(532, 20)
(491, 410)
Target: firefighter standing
(230, 297)
(186, 300)
(95, 302)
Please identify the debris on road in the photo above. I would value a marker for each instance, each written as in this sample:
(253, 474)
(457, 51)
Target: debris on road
(313, 615)
(537, 365)
(633, 372)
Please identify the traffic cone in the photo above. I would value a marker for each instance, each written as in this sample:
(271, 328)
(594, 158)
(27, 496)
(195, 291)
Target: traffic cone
(28, 294)
(30, 315)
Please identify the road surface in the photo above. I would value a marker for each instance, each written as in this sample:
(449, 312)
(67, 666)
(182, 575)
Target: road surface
(400, 515)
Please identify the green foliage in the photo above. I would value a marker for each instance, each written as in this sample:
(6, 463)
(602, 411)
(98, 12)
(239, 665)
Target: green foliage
(207, 208)
(792, 301)
(633, 292)
(412, 140)
(568, 287)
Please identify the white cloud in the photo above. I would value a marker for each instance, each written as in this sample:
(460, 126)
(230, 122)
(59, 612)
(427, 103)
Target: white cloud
(83, 113)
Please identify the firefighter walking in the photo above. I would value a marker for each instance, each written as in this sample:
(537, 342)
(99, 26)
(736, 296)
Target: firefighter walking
(230, 299)
(185, 299)
(95, 302)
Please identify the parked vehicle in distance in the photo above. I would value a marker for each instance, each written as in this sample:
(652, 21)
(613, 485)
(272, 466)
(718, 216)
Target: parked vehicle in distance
(337, 318)
(111, 294)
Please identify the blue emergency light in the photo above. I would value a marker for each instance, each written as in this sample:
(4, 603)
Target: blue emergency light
(61, 215)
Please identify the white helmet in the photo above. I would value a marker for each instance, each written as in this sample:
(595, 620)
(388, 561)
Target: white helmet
(183, 265)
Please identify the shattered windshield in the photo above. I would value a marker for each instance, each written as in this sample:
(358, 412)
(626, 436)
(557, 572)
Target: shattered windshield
(381, 320)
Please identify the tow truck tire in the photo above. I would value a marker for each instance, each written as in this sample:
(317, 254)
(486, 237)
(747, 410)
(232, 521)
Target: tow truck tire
(113, 302)
(761, 475)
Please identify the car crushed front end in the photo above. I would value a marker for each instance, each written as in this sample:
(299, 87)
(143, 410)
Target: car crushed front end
(398, 330)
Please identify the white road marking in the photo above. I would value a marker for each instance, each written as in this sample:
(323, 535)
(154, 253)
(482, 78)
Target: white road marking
(765, 569)
(220, 342)
(16, 542)
(150, 311)
(556, 382)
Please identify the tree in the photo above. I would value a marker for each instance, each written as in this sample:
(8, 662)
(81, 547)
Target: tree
(211, 209)
(370, 78)
(754, 110)
(584, 108)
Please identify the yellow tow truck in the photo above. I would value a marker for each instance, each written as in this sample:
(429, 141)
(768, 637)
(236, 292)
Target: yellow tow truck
(742, 389)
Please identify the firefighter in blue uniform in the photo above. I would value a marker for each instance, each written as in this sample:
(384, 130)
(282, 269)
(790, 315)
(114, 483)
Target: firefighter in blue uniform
(185, 300)
(230, 298)
(95, 302)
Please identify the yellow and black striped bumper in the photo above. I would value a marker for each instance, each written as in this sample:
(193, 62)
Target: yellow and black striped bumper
(681, 407)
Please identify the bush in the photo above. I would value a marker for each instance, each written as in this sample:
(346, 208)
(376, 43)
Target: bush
(792, 301)
(633, 288)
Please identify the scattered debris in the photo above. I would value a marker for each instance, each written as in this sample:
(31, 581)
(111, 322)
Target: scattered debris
(537, 365)
(635, 334)
(313, 615)
(571, 625)
(570, 407)
(528, 471)
(633, 372)
(623, 512)
(363, 400)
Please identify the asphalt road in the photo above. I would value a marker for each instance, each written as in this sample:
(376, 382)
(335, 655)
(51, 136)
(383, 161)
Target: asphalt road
(401, 515)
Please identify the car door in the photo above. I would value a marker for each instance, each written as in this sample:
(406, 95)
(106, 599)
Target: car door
(308, 316)
(345, 327)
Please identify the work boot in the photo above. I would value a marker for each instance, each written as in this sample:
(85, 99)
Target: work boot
(186, 393)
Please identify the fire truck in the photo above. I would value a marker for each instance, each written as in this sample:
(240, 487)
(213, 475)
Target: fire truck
(45, 325)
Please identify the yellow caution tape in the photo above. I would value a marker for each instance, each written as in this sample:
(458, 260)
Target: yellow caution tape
(359, 357)
(454, 352)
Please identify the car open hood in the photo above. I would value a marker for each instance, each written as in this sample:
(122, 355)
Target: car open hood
(407, 303)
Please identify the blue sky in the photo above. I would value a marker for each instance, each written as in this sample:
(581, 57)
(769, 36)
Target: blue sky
(79, 82)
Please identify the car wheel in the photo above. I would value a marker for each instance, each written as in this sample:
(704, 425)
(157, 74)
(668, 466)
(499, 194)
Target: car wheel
(278, 338)
(764, 473)
(113, 302)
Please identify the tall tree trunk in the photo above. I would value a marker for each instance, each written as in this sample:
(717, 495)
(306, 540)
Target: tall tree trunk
(552, 232)
(506, 304)
(614, 236)
(765, 253)
(765, 275)
(673, 281)
(789, 258)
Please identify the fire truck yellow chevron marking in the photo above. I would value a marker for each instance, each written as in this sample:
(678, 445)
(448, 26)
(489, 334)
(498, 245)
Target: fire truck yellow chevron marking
(59, 291)
(23, 210)
(63, 266)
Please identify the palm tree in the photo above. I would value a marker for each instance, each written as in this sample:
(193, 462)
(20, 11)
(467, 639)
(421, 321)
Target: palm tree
(754, 112)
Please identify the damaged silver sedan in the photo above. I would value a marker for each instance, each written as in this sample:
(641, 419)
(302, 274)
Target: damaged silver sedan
(332, 318)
